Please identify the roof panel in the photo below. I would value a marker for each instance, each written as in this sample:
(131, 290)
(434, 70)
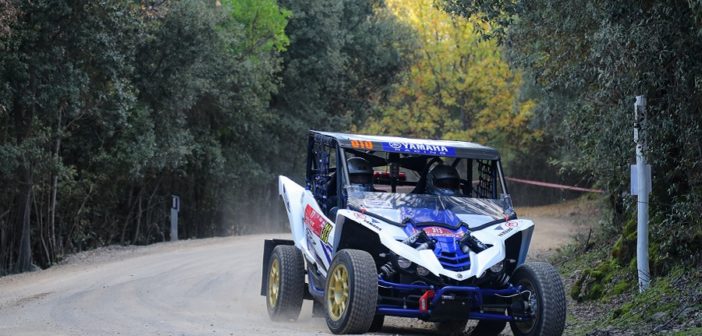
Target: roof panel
(447, 148)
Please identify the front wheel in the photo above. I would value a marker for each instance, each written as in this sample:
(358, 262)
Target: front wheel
(351, 292)
(546, 300)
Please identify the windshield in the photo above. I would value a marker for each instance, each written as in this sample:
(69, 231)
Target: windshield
(422, 209)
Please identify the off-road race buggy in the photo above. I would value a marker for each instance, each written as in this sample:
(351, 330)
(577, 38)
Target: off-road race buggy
(387, 246)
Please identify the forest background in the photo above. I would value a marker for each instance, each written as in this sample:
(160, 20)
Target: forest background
(109, 107)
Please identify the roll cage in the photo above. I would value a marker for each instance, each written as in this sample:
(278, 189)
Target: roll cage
(327, 175)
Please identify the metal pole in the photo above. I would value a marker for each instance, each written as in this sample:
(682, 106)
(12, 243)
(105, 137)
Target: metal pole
(642, 215)
(175, 208)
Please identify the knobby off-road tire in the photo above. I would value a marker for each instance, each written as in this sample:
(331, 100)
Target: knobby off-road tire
(488, 328)
(547, 289)
(351, 292)
(286, 283)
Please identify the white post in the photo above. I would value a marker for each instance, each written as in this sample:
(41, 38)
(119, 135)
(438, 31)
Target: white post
(175, 208)
(642, 215)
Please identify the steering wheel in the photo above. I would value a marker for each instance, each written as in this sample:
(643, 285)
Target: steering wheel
(422, 183)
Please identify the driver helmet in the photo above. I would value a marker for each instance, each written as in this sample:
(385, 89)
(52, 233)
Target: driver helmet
(444, 180)
(360, 173)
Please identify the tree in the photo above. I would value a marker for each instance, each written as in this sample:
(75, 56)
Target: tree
(63, 63)
(458, 88)
(343, 58)
(587, 60)
(108, 108)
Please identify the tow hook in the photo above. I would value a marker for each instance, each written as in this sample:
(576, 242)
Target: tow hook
(424, 301)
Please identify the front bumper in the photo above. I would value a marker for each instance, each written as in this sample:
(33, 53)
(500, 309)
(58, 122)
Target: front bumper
(450, 302)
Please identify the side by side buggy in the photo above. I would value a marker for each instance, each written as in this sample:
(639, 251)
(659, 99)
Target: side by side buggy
(390, 226)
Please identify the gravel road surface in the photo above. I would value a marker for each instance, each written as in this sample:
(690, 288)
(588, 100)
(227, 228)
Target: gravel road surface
(194, 287)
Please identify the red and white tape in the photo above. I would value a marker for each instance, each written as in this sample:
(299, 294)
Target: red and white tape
(553, 185)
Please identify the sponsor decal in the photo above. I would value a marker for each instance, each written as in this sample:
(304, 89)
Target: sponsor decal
(419, 148)
(499, 228)
(508, 230)
(375, 226)
(325, 233)
(361, 144)
(315, 221)
(368, 220)
(511, 224)
(359, 216)
(437, 231)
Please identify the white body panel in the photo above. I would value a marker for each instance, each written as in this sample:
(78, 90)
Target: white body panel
(311, 229)
(317, 236)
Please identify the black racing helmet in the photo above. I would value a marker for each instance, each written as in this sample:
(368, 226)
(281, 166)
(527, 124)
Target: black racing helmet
(444, 180)
(360, 171)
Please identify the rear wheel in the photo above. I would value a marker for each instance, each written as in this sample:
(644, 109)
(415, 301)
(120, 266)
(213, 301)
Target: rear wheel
(547, 300)
(286, 283)
(351, 292)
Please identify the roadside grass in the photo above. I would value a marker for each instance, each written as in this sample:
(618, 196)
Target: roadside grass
(603, 296)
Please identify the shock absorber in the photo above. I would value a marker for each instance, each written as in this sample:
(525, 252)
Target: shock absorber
(387, 270)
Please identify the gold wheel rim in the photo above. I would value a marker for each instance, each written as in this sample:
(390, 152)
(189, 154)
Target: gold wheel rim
(338, 292)
(274, 282)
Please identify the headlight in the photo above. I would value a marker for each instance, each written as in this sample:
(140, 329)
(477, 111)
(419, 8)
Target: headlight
(422, 271)
(403, 263)
(497, 268)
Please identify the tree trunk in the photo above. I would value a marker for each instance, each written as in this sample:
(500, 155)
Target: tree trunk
(54, 188)
(129, 216)
(5, 244)
(24, 258)
(138, 218)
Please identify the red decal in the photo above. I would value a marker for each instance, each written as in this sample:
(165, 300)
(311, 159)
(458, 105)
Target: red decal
(314, 220)
(438, 231)
(511, 224)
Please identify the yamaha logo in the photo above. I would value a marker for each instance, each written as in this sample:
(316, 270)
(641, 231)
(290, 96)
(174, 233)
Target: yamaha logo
(395, 145)
(419, 148)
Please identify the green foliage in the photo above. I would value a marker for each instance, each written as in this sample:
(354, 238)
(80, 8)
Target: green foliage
(594, 283)
(458, 86)
(107, 108)
(608, 298)
(586, 61)
(263, 21)
(343, 58)
(8, 14)
(654, 300)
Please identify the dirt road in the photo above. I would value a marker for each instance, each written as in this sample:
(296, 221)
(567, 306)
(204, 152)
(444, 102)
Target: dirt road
(197, 287)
